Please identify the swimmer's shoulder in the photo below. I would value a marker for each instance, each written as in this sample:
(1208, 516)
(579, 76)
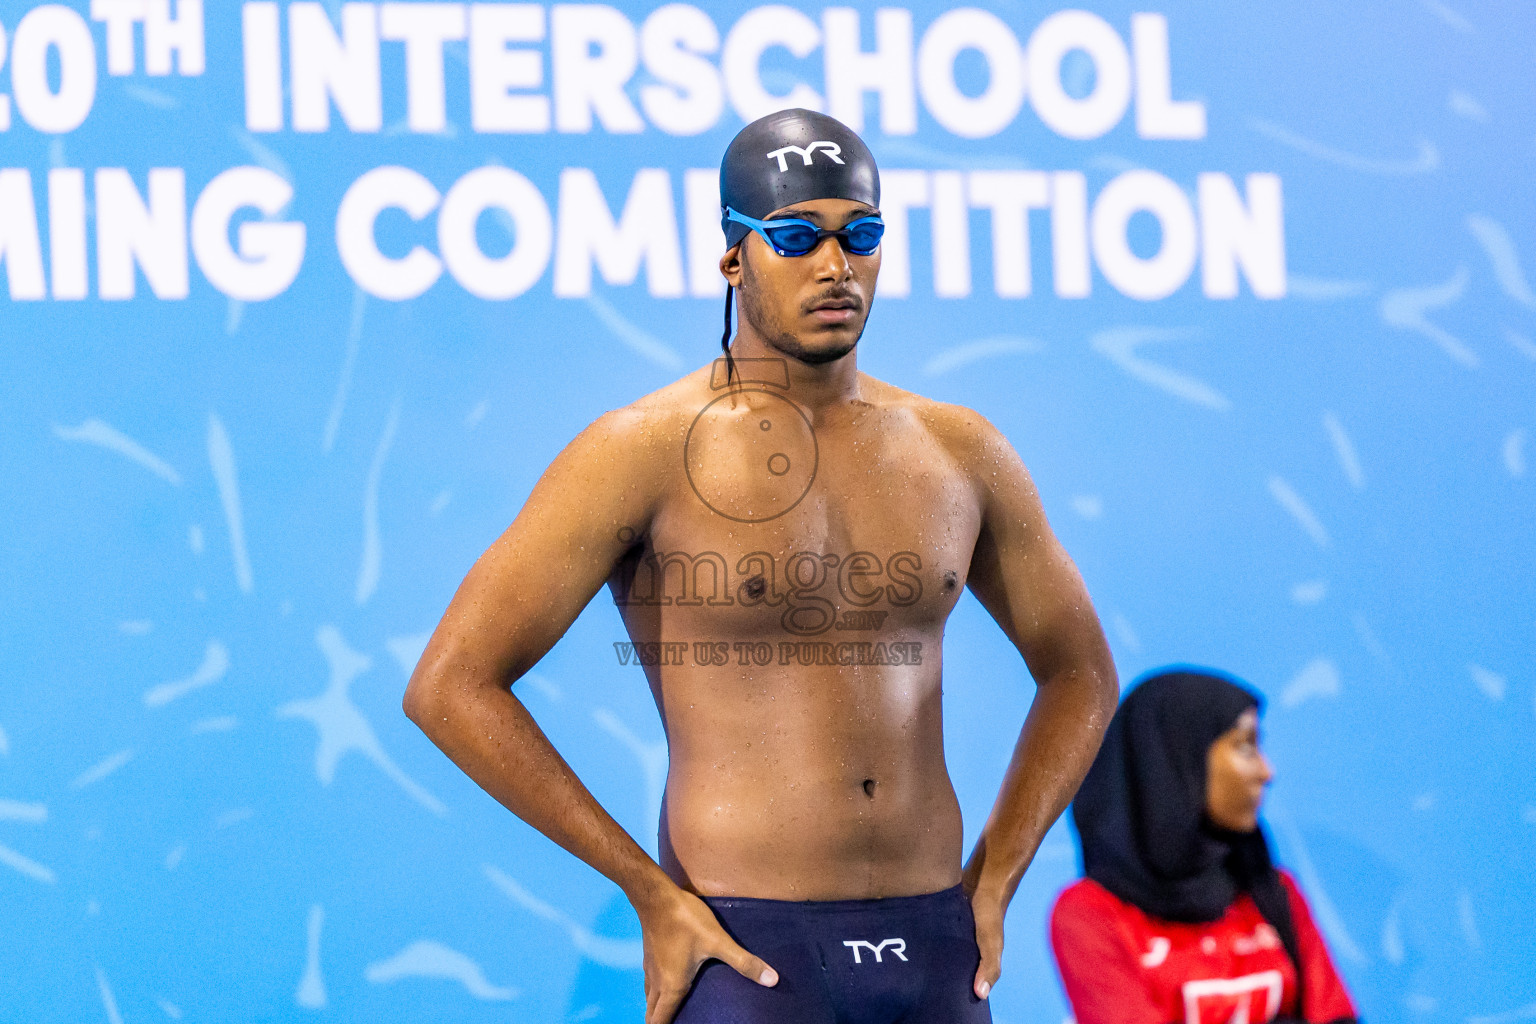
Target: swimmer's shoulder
(632, 456)
(965, 434)
(653, 428)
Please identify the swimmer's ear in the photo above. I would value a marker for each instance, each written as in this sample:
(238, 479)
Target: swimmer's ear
(730, 265)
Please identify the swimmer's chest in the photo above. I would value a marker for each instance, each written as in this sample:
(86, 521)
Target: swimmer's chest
(878, 538)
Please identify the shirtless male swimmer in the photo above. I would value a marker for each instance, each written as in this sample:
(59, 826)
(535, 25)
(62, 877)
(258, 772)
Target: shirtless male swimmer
(810, 839)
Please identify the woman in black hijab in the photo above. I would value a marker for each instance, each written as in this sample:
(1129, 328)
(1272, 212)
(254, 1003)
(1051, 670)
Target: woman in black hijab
(1182, 916)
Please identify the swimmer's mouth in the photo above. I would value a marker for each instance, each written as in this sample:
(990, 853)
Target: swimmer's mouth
(834, 311)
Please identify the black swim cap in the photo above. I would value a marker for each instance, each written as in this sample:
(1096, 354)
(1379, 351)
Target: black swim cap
(791, 156)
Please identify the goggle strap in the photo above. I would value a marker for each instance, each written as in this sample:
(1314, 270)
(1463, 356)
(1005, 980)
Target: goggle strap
(725, 339)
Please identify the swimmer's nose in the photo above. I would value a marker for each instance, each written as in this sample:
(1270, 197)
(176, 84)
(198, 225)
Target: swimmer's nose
(831, 262)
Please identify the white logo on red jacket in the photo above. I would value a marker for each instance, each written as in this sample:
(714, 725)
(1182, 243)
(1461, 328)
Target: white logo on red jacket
(1156, 953)
(1251, 999)
(1263, 937)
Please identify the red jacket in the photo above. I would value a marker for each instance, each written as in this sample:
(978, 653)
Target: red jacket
(1121, 966)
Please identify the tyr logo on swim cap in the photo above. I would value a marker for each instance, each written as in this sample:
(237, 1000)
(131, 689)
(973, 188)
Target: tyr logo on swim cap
(788, 157)
(832, 148)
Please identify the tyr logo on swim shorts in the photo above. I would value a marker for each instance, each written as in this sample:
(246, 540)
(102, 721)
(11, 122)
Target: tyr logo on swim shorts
(827, 975)
(898, 947)
(832, 150)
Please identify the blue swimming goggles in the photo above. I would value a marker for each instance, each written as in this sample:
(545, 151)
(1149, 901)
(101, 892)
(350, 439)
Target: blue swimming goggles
(793, 237)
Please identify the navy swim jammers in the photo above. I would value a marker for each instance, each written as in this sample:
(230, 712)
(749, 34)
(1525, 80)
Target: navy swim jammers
(906, 959)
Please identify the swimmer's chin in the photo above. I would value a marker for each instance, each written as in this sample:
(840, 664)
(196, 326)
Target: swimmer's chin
(813, 344)
(826, 356)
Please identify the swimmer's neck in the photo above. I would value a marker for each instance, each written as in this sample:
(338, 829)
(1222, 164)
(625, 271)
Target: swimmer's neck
(817, 387)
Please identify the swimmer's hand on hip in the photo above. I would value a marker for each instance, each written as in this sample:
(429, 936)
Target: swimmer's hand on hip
(681, 933)
(988, 908)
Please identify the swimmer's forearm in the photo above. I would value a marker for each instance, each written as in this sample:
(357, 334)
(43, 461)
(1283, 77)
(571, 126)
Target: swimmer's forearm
(1061, 735)
(488, 733)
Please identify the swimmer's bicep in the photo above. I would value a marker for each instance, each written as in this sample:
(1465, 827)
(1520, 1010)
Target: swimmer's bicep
(529, 586)
(1020, 572)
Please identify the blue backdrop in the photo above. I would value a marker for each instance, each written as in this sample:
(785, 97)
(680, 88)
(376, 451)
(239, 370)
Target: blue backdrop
(1283, 425)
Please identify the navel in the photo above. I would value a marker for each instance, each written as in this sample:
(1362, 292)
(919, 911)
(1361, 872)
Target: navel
(869, 788)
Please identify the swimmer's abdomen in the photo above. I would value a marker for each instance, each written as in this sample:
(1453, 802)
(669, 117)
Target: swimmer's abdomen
(810, 783)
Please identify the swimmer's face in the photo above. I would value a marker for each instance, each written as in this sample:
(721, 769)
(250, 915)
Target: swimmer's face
(1236, 774)
(813, 307)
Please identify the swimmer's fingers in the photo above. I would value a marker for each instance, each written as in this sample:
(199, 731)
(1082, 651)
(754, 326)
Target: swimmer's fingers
(663, 1000)
(665, 991)
(989, 939)
(661, 1003)
(681, 935)
(745, 964)
(650, 1002)
(669, 972)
